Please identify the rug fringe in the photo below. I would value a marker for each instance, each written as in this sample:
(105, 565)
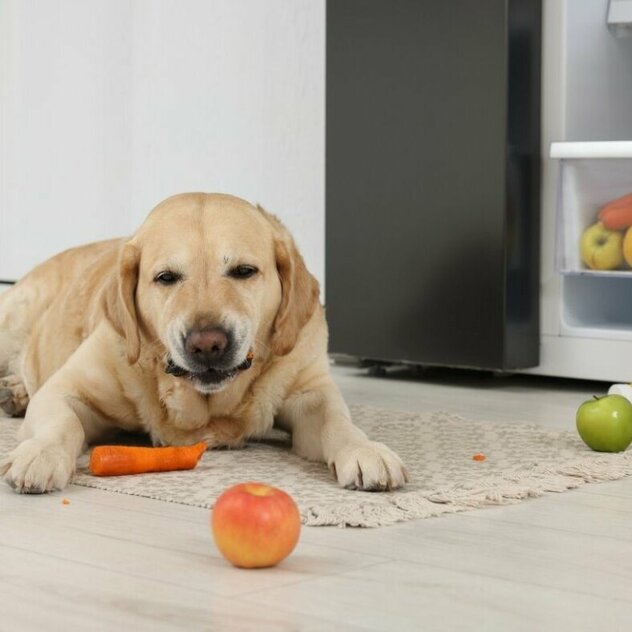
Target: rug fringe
(510, 489)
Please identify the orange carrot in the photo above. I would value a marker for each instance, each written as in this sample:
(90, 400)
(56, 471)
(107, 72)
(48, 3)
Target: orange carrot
(114, 460)
(479, 457)
(617, 214)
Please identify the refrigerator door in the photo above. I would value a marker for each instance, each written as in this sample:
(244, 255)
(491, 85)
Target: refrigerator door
(432, 178)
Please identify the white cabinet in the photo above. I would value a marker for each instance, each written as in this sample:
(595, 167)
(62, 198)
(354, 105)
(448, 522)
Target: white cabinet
(108, 107)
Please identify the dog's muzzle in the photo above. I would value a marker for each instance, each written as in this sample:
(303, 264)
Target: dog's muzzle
(209, 376)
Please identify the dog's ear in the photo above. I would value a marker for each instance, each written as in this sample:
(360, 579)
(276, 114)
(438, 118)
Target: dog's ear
(120, 300)
(299, 290)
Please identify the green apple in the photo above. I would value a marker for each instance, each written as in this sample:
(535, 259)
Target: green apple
(605, 423)
(601, 249)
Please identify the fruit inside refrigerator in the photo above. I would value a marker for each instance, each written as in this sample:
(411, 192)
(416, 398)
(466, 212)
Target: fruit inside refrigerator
(594, 208)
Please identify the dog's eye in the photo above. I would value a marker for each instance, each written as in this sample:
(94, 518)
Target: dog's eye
(242, 272)
(166, 277)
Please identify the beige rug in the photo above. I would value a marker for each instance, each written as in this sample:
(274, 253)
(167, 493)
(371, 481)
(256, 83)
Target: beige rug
(522, 461)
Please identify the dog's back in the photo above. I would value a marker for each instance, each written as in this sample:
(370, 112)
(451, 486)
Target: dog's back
(68, 280)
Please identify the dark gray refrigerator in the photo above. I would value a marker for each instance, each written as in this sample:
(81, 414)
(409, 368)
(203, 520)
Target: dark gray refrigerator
(432, 181)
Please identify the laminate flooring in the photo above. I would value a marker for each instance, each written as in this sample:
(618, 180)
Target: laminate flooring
(562, 562)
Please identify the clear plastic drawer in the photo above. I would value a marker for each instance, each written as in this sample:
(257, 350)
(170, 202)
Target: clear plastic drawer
(592, 176)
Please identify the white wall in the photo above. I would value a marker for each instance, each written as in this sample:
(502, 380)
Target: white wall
(109, 106)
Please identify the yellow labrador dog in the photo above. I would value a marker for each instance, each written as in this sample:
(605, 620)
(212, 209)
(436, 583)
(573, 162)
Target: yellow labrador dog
(204, 326)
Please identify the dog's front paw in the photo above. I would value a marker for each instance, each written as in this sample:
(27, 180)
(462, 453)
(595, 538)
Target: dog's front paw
(36, 467)
(370, 466)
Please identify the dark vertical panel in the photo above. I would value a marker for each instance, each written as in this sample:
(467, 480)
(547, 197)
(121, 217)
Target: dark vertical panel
(417, 121)
(523, 185)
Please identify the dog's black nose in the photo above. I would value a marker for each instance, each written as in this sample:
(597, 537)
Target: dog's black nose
(206, 346)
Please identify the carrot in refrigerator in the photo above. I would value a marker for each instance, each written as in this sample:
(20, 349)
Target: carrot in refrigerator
(617, 214)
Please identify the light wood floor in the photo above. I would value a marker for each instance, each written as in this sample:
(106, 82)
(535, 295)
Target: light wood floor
(563, 562)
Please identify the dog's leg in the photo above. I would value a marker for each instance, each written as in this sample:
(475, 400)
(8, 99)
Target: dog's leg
(52, 437)
(67, 413)
(13, 396)
(322, 430)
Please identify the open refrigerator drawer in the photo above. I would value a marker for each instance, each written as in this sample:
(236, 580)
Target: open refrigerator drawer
(594, 238)
(594, 208)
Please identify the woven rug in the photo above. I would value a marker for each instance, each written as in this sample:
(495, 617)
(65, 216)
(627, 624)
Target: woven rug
(522, 461)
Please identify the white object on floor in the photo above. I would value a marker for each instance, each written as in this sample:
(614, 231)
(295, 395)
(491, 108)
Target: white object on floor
(621, 389)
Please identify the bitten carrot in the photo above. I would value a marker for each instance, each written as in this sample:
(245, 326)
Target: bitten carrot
(115, 460)
(617, 214)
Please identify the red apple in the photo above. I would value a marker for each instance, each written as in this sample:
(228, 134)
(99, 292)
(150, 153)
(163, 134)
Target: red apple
(255, 525)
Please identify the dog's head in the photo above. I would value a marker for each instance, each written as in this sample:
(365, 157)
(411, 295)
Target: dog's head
(206, 280)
